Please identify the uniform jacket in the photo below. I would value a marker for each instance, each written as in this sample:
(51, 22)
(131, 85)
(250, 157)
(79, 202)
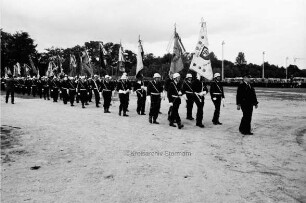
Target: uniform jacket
(246, 95)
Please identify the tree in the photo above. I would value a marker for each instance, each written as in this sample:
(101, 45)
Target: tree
(17, 48)
(240, 59)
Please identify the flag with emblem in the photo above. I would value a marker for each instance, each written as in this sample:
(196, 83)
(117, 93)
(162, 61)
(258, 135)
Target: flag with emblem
(201, 62)
(139, 59)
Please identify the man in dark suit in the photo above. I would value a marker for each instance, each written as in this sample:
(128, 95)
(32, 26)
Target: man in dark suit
(10, 88)
(246, 99)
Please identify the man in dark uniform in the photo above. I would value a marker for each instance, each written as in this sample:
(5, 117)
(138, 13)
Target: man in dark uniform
(155, 89)
(90, 88)
(71, 89)
(200, 90)
(10, 88)
(55, 88)
(106, 89)
(64, 89)
(28, 84)
(246, 99)
(123, 87)
(217, 94)
(46, 86)
(82, 91)
(34, 86)
(187, 89)
(141, 96)
(167, 84)
(39, 87)
(175, 101)
(95, 84)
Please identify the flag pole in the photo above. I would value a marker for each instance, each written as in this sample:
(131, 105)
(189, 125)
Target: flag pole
(223, 60)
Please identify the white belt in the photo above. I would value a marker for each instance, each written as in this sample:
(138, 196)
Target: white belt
(217, 93)
(155, 93)
(106, 90)
(175, 96)
(189, 92)
(82, 89)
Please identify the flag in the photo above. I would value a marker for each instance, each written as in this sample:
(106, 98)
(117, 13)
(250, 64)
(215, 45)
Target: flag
(200, 62)
(27, 69)
(73, 65)
(85, 61)
(51, 68)
(60, 60)
(32, 65)
(178, 49)
(7, 72)
(121, 59)
(139, 58)
(101, 59)
(18, 68)
(15, 71)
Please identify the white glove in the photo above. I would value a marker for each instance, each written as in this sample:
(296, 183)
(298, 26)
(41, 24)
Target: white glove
(180, 93)
(185, 97)
(121, 91)
(223, 101)
(171, 104)
(214, 98)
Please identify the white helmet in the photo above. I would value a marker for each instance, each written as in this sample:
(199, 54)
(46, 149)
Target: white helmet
(124, 74)
(175, 75)
(123, 77)
(217, 75)
(156, 75)
(106, 76)
(188, 75)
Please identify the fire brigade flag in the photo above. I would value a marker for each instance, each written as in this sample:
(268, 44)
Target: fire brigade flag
(201, 62)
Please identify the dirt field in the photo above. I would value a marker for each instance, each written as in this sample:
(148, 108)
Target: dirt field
(51, 152)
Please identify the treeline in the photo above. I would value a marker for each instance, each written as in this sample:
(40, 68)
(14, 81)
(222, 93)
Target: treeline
(19, 46)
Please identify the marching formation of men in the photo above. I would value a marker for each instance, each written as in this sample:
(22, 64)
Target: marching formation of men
(81, 89)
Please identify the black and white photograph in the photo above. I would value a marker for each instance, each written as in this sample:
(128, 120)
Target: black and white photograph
(149, 101)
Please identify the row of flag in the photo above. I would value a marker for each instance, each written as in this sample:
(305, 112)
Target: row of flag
(200, 61)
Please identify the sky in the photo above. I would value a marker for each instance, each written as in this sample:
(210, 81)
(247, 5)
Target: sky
(276, 27)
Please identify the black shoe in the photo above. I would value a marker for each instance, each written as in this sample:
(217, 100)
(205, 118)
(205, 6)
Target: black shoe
(180, 126)
(105, 111)
(171, 124)
(71, 105)
(127, 110)
(119, 113)
(83, 107)
(190, 118)
(218, 123)
(143, 114)
(155, 122)
(97, 106)
(215, 123)
(200, 125)
(150, 119)
(13, 103)
(86, 104)
(125, 115)
(138, 112)
(248, 133)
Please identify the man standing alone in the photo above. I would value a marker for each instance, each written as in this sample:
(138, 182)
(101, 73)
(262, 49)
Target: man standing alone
(10, 88)
(246, 99)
